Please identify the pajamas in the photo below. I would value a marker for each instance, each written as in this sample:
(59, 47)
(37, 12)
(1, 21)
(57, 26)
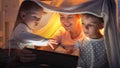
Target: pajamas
(92, 53)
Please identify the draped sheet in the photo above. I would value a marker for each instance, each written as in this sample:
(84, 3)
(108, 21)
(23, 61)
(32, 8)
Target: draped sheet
(101, 8)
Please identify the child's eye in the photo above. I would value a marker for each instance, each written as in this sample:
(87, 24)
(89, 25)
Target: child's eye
(36, 18)
(61, 17)
(90, 25)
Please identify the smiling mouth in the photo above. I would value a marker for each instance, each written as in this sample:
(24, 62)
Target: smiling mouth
(67, 25)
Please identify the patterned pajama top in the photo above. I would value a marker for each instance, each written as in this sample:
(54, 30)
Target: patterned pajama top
(92, 53)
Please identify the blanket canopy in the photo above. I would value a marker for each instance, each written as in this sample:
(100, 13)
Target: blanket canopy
(101, 8)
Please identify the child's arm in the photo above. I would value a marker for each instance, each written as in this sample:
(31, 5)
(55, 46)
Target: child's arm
(32, 39)
(52, 45)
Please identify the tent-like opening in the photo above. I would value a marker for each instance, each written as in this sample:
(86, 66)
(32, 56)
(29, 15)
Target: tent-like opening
(102, 8)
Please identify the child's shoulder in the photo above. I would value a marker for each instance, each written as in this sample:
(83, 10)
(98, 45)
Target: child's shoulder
(81, 38)
(21, 28)
(79, 41)
(20, 25)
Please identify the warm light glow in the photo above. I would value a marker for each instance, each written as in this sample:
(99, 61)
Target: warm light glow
(59, 3)
(75, 2)
(56, 2)
(51, 27)
(102, 31)
(20, 1)
(37, 43)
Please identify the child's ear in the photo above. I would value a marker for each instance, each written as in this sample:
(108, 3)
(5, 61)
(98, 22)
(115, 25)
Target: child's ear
(22, 14)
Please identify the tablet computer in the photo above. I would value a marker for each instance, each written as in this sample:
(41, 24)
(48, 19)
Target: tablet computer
(55, 60)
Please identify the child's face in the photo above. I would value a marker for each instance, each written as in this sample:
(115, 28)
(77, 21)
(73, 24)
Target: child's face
(69, 21)
(90, 27)
(32, 19)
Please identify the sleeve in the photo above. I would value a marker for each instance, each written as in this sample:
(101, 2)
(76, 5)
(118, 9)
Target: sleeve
(32, 39)
(26, 39)
(22, 37)
(77, 45)
(76, 49)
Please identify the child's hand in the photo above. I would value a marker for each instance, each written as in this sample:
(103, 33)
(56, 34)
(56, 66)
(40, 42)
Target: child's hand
(52, 43)
(26, 55)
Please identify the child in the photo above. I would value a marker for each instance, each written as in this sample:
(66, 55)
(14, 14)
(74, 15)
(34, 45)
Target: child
(68, 34)
(28, 19)
(92, 47)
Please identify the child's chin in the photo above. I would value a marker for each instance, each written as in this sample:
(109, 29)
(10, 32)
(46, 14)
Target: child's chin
(87, 35)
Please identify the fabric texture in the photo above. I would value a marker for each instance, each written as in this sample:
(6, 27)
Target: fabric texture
(92, 53)
(101, 8)
(22, 36)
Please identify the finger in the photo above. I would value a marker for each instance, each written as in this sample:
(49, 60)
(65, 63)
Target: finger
(52, 42)
(51, 46)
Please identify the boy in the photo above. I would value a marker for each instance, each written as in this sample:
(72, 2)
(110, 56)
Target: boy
(28, 19)
(92, 47)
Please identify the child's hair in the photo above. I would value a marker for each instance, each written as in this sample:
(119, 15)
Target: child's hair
(97, 19)
(26, 6)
